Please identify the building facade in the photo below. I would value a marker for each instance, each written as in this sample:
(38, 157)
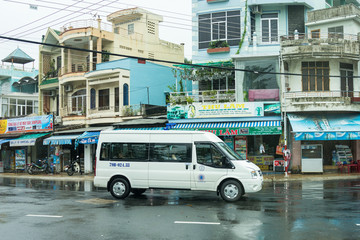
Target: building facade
(320, 97)
(18, 85)
(261, 38)
(103, 75)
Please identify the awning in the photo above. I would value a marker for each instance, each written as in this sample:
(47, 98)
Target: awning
(5, 140)
(234, 128)
(88, 138)
(60, 139)
(26, 140)
(327, 126)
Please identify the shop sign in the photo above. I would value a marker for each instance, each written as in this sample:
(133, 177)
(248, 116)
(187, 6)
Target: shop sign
(242, 131)
(199, 110)
(327, 136)
(27, 124)
(23, 142)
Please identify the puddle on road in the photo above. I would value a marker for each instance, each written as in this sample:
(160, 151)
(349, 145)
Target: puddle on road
(97, 201)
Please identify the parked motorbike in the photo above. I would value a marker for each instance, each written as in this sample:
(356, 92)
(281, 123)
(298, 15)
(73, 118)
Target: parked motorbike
(39, 166)
(74, 167)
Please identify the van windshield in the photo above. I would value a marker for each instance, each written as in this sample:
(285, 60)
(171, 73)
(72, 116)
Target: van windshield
(230, 154)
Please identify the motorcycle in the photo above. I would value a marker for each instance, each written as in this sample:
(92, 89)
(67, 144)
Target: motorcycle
(74, 167)
(40, 166)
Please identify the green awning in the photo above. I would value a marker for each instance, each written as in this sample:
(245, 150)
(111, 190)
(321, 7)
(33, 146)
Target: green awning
(49, 81)
(226, 64)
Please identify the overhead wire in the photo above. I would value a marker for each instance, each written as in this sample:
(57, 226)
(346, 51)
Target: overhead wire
(169, 62)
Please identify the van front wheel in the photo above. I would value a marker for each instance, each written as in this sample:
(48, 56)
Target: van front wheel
(231, 191)
(119, 188)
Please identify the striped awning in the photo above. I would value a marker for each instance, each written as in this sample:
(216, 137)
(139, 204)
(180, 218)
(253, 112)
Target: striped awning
(234, 128)
(60, 140)
(228, 125)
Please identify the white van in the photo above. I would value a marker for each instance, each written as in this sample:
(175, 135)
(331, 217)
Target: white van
(136, 160)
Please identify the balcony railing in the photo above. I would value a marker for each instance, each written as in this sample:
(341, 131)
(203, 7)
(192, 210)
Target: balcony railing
(346, 97)
(77, 67)
(202, 96)
(86, 23)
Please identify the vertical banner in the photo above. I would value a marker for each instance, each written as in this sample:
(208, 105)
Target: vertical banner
(20, 159)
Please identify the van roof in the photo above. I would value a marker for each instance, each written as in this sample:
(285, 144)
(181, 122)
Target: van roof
(117, 131)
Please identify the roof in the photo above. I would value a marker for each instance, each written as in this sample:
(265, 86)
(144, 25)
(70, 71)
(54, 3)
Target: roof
(18, 56)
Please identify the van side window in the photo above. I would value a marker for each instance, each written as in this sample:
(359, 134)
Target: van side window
(129, 152)
(208, 154)
(163, 152)
(104, 152)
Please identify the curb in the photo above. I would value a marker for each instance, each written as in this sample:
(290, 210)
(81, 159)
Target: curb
(267, 178)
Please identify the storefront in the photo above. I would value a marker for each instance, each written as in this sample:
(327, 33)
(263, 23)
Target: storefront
(61, 149)
(89, 141)
(252, 140)
(324, 139)
(27, 149)
(252, 129)
(22, 142)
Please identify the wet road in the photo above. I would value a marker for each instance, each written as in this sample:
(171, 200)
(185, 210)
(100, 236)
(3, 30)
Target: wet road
(40, 209)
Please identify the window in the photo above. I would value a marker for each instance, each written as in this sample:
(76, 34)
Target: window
(315, 33)
(219, 26)
(104, 99)
(117, 99)
(129, 151)
(207, 154)
(347, 80)
(269, 27)
(92, 98)
(78, 101)
(315, 76)
(164, 152)
(259, 75)
(18, 107)
(126, 94)
(104, 151)
(336, 32)
(131, 29)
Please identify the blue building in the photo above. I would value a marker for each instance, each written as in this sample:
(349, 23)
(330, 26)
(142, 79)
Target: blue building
(18, 85)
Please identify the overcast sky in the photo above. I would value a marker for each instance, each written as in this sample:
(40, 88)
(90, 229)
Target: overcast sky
(29, 19)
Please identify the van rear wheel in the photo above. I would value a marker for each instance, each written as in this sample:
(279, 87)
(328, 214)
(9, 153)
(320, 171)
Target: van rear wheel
(231, 191)
(119, 188)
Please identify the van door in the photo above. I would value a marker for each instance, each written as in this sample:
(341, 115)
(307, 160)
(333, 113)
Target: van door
(170, 165)
(211, 165)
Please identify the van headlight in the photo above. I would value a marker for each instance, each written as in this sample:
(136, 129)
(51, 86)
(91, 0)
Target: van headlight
(253, 174)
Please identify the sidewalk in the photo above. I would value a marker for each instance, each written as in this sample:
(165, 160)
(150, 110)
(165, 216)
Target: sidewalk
(267, 177)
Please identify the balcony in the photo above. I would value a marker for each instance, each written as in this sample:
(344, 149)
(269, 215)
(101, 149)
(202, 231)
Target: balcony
(320, 44)
(215, 96)
(89, 23)
(297, 101)
(335, 12)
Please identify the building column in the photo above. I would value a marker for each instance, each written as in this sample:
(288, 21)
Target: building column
(239, 81)
(295, 161)
(91, 56)
(62, 70)
(87, 159)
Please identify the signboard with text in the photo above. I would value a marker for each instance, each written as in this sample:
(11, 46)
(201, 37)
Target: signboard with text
(27, 124)
(214, 110)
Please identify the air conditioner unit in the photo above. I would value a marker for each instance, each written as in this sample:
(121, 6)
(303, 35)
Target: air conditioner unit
(256, 9)
(52, 94)
(68, 88)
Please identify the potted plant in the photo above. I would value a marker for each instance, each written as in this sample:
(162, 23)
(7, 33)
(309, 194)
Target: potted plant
(219, 46)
